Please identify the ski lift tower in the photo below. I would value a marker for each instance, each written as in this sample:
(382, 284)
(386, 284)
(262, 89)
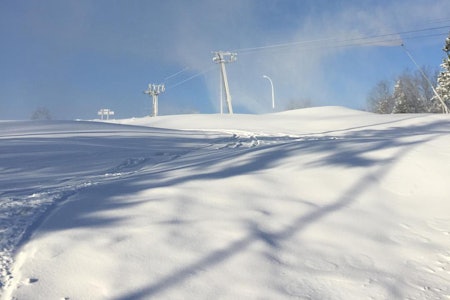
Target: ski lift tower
(221, 58)
(154, 90)
(105, 112)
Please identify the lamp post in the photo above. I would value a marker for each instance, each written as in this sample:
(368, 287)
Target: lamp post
(273, 94)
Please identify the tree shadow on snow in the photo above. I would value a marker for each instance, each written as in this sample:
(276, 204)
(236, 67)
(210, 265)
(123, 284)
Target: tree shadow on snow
(167, 164)
(340, 152)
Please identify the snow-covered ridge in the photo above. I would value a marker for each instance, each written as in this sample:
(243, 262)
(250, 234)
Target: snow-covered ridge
(320, 203)
(301, 121)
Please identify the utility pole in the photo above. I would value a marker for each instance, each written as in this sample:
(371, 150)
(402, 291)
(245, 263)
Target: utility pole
(221, 58)
(154, 90)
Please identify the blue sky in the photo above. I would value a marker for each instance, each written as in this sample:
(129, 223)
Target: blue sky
(76, 57)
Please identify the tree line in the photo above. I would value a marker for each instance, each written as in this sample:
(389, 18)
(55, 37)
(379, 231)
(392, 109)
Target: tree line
(411, 91)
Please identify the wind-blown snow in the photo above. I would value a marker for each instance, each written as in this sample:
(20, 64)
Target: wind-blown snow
(320, 203)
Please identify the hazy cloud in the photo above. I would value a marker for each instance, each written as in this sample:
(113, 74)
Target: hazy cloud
(111, 49)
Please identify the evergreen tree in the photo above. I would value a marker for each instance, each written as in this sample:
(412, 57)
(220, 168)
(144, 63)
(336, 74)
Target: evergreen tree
(41, 113)
(380, 99)
(400, 99)
(412, 93)
(416, 99)
(443, 81)
(425, 89)
(407, 96)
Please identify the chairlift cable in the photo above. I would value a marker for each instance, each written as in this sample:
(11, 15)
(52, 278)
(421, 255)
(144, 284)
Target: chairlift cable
(176, 74)
(329, 40)
(189, 78)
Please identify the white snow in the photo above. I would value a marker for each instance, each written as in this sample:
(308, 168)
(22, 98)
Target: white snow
(319, 203)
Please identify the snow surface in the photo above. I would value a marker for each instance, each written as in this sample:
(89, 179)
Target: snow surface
(319, 203)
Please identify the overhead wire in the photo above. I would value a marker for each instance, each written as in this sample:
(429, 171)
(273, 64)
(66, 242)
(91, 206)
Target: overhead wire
(340, 42)
(444, 107)
(189, 78)
(380, 39)
(176, 74)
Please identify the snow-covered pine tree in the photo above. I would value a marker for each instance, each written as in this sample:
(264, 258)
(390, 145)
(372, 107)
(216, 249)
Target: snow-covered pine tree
(380, 99)
(401, 101)
(407, 96)
(425, 87)
(443, 81)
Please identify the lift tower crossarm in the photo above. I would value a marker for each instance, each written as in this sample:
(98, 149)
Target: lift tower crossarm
(154, 90)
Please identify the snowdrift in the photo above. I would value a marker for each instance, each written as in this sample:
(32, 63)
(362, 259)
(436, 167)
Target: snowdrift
(320, 203)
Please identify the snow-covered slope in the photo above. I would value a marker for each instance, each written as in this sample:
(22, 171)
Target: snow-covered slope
(320, 203)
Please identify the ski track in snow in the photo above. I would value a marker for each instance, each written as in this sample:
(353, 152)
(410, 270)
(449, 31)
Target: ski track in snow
(23, 211)
(21, 214)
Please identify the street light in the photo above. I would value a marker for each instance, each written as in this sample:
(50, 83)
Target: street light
(273, 94)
